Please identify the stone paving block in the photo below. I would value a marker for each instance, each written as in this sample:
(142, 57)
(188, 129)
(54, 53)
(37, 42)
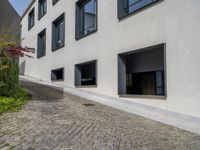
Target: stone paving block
(64, 123)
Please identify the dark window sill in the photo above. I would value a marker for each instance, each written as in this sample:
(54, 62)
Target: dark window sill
(80, 37)
(59, 80)
(139, 10)
(86, 86)
(39, 57)
(40, 17)
(30, 27)
(53, 3)
(57, 48)
(143, 96)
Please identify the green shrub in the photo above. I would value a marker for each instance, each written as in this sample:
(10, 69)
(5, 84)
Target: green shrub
(9, 72)
(13, 103)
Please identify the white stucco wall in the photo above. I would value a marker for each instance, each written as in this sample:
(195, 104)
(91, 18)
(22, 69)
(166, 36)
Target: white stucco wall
(174, 22)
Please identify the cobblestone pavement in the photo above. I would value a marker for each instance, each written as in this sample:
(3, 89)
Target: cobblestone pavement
(58, 121)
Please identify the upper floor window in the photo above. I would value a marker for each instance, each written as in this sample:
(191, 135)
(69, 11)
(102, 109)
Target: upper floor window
(42, 8)
(126, 7)
(86, 17)
(54, 1)
(58, 35)
(31, 19)
(41, 44)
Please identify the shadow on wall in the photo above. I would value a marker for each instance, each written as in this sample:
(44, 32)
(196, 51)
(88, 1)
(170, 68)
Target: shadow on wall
(43, 92)
(22, 68)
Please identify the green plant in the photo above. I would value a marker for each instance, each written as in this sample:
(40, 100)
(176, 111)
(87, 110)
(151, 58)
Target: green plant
(10, 51)
(13, 103)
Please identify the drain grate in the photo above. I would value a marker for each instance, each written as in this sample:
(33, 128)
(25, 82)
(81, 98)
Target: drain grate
(87, 105)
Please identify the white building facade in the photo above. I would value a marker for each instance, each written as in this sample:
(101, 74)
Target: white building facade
(146, 51)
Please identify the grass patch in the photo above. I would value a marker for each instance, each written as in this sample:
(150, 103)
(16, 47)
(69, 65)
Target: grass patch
(14, 103)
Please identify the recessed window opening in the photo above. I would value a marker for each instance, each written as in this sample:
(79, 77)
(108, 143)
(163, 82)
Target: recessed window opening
(85, 74)
(142, 72)
(57, 74)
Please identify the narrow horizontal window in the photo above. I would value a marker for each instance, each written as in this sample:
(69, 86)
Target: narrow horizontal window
(58, 32)
(57, 74)
(86, 17)
(85, 74)
(42, 8)
(126, 7)
(41, 44)
(31, 19)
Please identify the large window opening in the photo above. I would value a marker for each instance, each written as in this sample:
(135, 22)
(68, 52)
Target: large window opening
(86, 17)
(142, 72)
(85, 74)
(57, 74)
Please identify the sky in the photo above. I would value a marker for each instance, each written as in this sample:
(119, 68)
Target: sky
(19, 5)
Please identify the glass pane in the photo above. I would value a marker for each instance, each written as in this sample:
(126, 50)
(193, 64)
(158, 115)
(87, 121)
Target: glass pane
(42, 7)
(32, 20)
(158, 78)
(89, 16)
(43, 44)
(45, 6)
(90, 7)
(159, 83)
(56, 34)
(61, 34)
(133, 5)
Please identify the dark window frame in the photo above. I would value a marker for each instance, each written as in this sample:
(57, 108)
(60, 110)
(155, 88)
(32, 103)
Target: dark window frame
(63, 74)
(77, 66)
(38, 38)
(121, 8)
(39, 8)
(80, 3)
(54, 2)
(120, 59)
(57, 20)
(31, 14)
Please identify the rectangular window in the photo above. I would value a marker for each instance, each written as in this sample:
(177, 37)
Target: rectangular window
(57, 74)
(42, 8)
(54, 1)
(142, 72)
(31, 19)
(41, 44)
(58, 32)
(126, 7)
(85, 74)
(86, 17)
